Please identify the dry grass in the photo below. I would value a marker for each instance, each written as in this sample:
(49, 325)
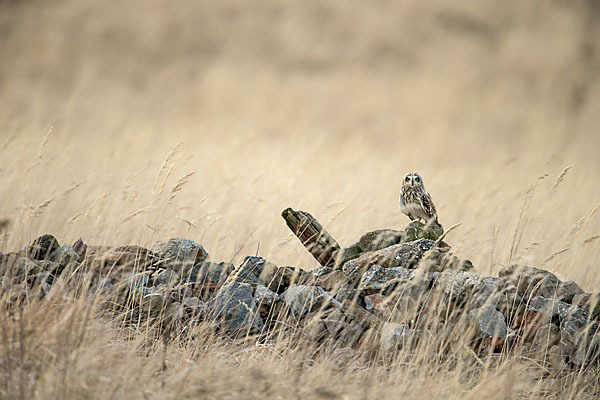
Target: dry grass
(127, 124)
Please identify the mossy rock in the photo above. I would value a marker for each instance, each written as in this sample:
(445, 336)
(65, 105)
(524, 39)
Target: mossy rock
(416, 230)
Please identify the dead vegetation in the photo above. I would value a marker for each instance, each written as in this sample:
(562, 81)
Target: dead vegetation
(128, 125)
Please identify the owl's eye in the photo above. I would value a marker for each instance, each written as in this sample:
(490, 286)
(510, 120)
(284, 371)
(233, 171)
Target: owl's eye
(407, 179)
(417, 179)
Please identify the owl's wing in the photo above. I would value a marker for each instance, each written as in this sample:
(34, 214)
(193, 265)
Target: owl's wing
(428, 206)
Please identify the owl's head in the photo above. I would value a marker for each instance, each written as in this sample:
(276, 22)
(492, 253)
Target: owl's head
(412, 179)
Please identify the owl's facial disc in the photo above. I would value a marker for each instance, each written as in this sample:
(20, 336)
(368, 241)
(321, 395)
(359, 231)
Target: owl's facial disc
(406, 180)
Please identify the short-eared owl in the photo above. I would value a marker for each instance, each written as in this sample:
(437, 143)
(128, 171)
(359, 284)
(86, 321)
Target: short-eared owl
(415, 202)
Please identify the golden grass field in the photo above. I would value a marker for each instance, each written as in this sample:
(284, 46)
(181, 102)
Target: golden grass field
(126, 123)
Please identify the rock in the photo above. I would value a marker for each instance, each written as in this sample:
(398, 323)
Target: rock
(568, 290)
(234, 310)
(284, 277)
(417, 230)
(264, 299)
(80, 248)
(589, 302)
(587, 346)
(341, 256)
(166, 277)
(480, 291)
(331, 281)
(42, 247)
(65, 255)
(208, 275)
(182, 250)
(375, 302)
(335, 321)
(452, 284)
(527, 279)
(353, 271)
(395, 336)
(377, 278)
(546, 336)
(248, 271)
(344, 292)
(488, 322)
(133, 257)
(151, 302)
(440, 259)
(380, 239)
(194, 306)
(268, 273)
(406, 255)
(302, 299)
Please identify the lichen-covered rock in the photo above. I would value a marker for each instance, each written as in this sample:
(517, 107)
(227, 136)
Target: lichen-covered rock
(331, 281)
(380, 239)
(286, 276)
(546, 336)
(302, 299)
(335, 321)
(527, 279)
(269, 270)
(182, 250)
(405, 255)
(488, 322)
(589, 302)
(439, 259)
(377, 278)
(568, 290)
(166, 277)
(233, 310)
(587, 346)
(375, 302)
(417, 230)
(43, 247)
(342, 256)
(65, 255)
(248, 271)
(264, 299)
(209, 275)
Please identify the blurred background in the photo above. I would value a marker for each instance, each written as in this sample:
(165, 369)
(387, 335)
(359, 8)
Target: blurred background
(128, 122)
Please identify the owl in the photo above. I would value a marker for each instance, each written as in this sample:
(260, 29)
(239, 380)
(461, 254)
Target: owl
(415, 202)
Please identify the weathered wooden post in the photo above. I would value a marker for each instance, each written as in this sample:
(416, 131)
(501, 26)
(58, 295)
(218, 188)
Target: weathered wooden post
(312, 235)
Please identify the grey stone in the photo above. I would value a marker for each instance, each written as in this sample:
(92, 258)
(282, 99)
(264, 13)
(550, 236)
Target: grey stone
(417, 230)
(65, 255)
(380, 239)
(209, 274)
(248, 271)
(439, 259)
(302, 299)
(342, 256)
(589, 302)
(335, 320)
(179, 249)
(568, 290)
(166, 277)
(527, 279)
(234, 310)
(377, 278)
(489, 322)
(284, 277)
(43, 247)
(264, 299)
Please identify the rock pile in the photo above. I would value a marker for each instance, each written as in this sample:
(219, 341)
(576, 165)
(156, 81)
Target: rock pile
(391, 290)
